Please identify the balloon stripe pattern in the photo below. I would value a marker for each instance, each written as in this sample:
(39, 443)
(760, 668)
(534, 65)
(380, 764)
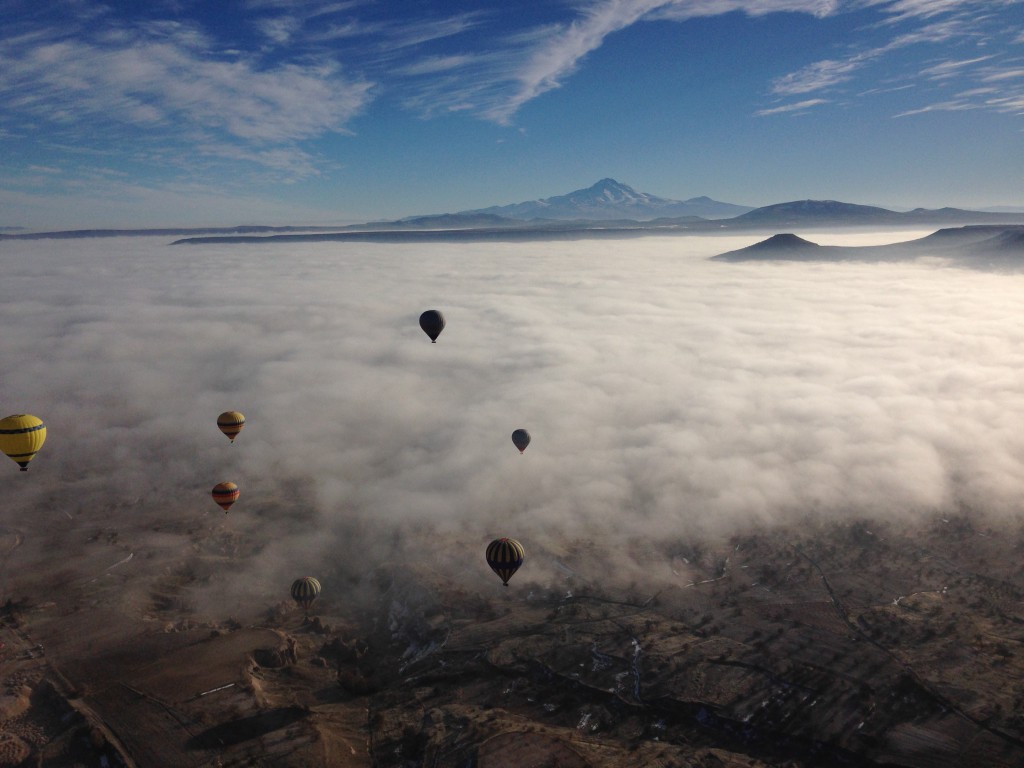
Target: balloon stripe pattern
(305, 591)
(504, 556)
(21, 437)
(226, 494)
(231, 423)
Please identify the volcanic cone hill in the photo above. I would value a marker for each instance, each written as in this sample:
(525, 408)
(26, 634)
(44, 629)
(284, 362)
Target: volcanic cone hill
(998, 247)
(783, 247)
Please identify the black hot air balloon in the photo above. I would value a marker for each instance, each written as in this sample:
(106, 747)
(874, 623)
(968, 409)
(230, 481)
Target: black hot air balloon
(432, 323)
(521, 438)
(505, 556)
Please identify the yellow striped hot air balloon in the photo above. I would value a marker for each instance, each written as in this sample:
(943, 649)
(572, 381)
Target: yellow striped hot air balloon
(231, 423)
(505, 556)
(21, 436)
(225, 494)
(305, 591)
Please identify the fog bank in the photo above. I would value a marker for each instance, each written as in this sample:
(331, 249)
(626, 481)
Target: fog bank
(667, 395)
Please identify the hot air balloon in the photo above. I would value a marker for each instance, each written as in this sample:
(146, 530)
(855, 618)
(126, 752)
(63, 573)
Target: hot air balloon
(432, 323)
(521, 438)
(225, 494)
(21, 436)
(231, 423)
(305, 591)
(505, 556)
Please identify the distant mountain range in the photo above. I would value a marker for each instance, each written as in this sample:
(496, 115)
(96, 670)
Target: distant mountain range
(987, 246)
(615, 208)
(817, 212)
(606, 209)
(610, 199)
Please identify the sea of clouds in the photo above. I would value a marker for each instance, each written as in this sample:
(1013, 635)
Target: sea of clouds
(667, 395)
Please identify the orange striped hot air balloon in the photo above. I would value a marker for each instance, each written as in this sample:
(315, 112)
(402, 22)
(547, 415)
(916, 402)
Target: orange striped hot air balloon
(225, 494)
(231, 423)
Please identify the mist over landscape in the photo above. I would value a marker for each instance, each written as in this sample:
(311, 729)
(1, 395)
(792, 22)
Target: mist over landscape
(668, 396)
(691, 418)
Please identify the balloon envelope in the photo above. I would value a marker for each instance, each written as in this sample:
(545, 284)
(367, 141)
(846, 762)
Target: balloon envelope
(21, 436)
(432, 323)
(225, 494)
(521, 438)
(305, 591)
(505, 556)
(231, 423)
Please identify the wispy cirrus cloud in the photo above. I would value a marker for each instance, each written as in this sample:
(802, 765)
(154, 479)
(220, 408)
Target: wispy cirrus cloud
(934, 32)
(559, 55)
(307, 8)
(992, 85)
(969, 25)
(951, 68)
(799, 106)
(1006, 74)
(497, 82)
(279, 29)
(903, 10)
(435, 64)
(1013, 104)
(555, 56)
(407, 35)
(953, 105)
(681, 11)
(816, 77)
(825, 74)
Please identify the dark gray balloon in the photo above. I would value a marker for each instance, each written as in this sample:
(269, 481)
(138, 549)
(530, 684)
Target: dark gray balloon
(432, 323)
(521, 438)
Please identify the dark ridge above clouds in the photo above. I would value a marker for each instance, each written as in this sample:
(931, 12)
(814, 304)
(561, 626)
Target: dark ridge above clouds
(803, 210)
(980, 246)
(836, 213)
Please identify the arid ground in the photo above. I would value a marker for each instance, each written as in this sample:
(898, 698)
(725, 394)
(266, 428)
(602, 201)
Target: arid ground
(854, 644)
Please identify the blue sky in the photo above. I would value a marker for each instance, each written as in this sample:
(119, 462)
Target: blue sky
(190, 113)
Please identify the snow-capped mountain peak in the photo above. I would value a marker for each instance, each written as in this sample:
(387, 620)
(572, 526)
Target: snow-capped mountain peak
(611, 199)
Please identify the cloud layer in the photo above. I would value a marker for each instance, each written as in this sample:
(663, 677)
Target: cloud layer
(667, 396)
